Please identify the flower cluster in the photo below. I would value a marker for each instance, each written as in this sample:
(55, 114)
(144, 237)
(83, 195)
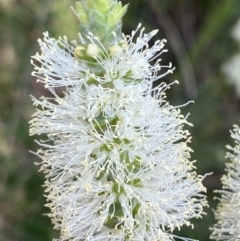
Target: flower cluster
(228, 211)
(231, 67)
(116, 159)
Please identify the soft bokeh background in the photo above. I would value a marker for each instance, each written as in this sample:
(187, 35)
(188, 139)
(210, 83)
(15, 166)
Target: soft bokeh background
(200, 43)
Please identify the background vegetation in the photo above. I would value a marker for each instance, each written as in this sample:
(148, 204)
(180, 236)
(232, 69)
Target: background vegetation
(199, 42)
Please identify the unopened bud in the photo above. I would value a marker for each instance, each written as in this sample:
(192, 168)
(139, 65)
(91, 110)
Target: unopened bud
(124, 44)
(115, 50)
(92, 50)
(81, 13)
(79, 51)
(116, 14)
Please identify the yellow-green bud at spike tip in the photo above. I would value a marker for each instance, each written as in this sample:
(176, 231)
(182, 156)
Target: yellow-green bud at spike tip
(116, 14)
(81, 14)
(103, 5)
(101, 18)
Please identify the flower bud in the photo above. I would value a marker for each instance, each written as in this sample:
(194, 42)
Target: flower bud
(103, 5)
(79, 51)
(116, 14)
(115, 50)
(92, 50)
(81, 14)
(101, 18)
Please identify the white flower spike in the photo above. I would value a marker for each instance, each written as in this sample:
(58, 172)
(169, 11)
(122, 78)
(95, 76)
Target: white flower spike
(116, 159)
(228, 210)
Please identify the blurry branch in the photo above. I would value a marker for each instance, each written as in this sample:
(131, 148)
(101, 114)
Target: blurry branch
(209, 32)
(26, 7)
(25, 69)
(175, 40)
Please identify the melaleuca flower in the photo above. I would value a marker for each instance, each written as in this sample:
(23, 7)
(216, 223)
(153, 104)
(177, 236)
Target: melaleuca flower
(116, 159)
(231, 67)
(232, 72)
(236, 31)
(228, 210)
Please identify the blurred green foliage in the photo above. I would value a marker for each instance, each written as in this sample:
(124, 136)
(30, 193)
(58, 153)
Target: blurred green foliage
(199, 42)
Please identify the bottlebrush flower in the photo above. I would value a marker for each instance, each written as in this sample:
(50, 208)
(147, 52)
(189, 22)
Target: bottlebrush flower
(231, 67)
(116, 159)
(228, 210)
(232, 72)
